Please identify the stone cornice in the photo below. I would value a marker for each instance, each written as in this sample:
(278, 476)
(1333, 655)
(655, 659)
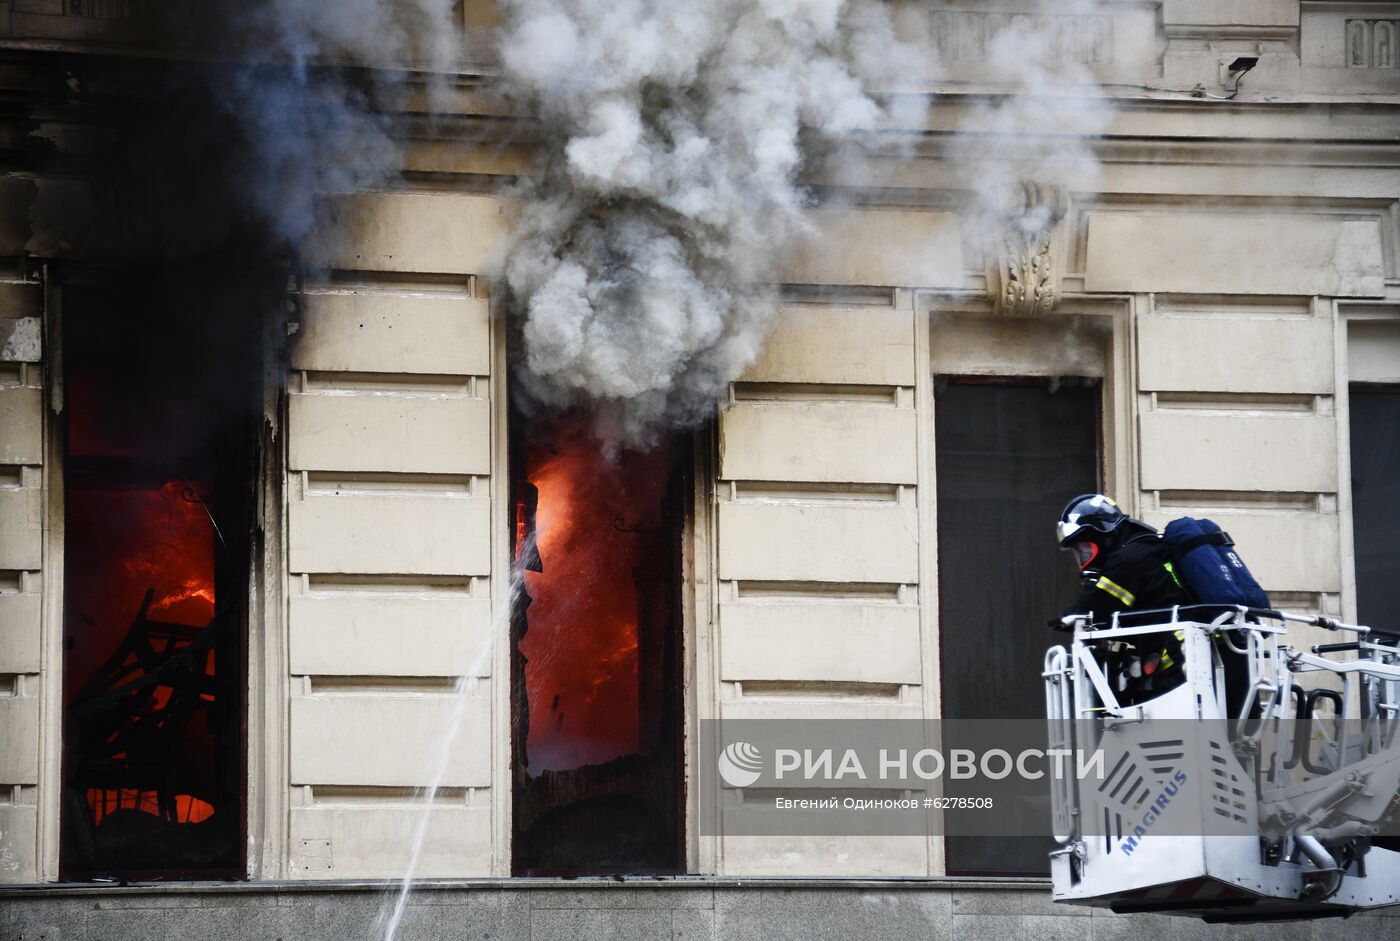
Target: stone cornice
(1209, 32)
(479, 70)
(1224, 151)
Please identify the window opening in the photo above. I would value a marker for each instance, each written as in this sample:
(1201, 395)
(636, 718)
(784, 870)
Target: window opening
(1009, 454)
(596, 692)
(160, 417)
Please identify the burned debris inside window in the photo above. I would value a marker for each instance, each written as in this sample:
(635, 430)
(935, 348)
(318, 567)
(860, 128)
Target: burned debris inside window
(160, 418)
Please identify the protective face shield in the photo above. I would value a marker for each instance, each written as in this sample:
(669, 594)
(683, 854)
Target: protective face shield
(1085, 552)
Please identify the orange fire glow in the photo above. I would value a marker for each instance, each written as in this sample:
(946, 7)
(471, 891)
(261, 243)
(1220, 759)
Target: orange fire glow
(126, 542)
(120, 544)
(582, 643)
(188, 809)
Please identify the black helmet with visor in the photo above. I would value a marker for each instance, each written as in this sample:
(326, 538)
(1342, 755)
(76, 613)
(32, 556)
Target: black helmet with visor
(1086, 522)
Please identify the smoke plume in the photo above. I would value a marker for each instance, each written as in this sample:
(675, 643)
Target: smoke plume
(305, 94)
(640, 275)
(1044, 109)
(673, 137)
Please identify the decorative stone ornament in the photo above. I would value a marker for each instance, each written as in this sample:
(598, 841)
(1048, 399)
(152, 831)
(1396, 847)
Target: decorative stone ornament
(1024, 279)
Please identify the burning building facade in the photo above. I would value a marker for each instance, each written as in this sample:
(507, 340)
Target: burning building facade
(260, 511)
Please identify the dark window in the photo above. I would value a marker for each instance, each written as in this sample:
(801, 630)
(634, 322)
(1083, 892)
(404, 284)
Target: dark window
(1375, 502)
(596, 691)
(1009, 455)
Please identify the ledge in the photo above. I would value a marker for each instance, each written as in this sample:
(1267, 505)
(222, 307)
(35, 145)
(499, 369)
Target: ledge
(599, 884)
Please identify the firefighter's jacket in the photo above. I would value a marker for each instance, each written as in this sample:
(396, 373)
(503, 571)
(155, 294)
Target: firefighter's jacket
(1139, 576)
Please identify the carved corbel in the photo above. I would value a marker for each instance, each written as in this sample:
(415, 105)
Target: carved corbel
(1024, 278)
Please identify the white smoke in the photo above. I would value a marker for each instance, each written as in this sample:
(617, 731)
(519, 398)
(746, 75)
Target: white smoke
(1044, 108)
(673, 135)
(672, 141)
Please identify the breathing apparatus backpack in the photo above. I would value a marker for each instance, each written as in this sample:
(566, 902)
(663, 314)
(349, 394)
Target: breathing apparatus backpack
(1207, 562)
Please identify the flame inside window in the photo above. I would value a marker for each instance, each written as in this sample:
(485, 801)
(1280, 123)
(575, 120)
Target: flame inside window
(124, 543)
(142, 657)
(596, 684)
(596, 525)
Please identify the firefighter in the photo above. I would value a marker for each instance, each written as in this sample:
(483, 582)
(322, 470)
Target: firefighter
(1125, 567)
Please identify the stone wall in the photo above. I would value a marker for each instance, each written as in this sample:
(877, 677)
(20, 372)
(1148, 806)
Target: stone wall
(684, 910)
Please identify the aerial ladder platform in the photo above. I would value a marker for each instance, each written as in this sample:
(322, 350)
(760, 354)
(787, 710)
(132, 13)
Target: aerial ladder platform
(1261, 787)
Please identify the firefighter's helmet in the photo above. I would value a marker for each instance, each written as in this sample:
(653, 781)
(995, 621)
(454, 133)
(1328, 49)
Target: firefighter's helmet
(1091, 514)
